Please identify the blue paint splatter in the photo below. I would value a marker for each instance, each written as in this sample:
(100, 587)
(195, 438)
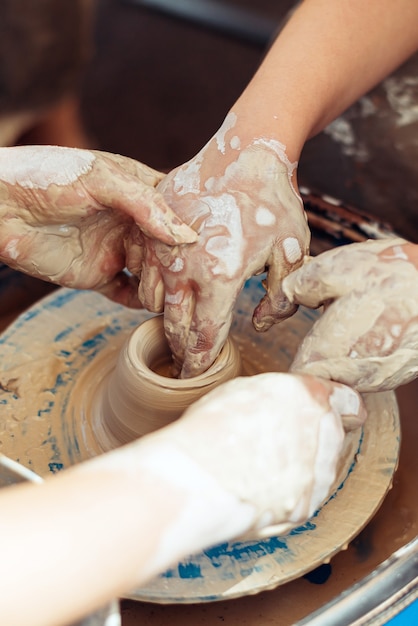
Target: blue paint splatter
(64, 353)
(170, 573)
(92, 342)
(244, 552)
(303, 528)
(64, 333)
(55, 467)
(189, 570)
(92, 346)
(47, 409)
(62, 299)
(59, 382)
(29, 315)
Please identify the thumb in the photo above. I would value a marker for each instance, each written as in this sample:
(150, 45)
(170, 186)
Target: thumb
(348, 404)
(313, 284)
(344, 402)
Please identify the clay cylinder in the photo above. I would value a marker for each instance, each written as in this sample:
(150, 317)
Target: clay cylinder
(138, 400)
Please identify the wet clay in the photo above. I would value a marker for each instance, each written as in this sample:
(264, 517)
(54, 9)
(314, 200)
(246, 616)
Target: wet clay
(243, 226)
(45, 166)
(138, 399)
(129, 391)
(52, 425)
(366, 337)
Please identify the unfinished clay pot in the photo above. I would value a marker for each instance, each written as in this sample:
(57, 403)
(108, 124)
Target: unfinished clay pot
(141, 396)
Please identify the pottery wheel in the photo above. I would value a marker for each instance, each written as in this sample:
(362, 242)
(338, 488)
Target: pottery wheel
(56, 354)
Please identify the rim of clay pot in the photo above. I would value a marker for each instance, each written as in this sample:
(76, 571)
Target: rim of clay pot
(136, 400)
(147, 348)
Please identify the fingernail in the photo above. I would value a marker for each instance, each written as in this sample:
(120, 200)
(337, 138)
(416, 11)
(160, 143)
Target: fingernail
(281, 310)
(263, 324)
(183, 233)
(348, 403)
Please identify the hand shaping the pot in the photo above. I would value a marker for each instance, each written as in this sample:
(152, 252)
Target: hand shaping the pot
(272, 441)
(241, 201)
(75, 217)
(368, 335)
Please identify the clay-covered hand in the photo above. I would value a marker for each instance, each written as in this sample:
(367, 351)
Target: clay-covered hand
(76, 217)
(367, 336)
(242, 202)
(273, 441)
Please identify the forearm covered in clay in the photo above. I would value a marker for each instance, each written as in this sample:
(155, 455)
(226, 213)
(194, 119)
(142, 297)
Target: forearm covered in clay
(232, 465)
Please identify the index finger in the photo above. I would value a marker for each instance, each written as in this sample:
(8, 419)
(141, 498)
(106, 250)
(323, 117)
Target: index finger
(198, 327)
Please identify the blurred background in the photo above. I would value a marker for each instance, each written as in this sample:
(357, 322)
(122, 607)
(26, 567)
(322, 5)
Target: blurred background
(153, 79)
(158, 85)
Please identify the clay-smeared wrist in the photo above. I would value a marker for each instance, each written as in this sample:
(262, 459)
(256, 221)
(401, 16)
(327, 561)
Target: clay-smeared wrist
(191, 509)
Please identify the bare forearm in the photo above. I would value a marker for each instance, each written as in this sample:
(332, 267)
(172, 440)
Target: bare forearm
(327, 56)
(104, 527)
(75, 532)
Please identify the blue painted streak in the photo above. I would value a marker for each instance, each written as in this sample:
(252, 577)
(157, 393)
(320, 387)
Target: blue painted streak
(189, 570)
(237, 553)
(62, 299)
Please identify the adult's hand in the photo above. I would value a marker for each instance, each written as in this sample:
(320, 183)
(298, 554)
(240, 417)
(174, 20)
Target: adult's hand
(272, 440)
(77, 217)
(256, 452)
(242, 202)
(367, 336)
